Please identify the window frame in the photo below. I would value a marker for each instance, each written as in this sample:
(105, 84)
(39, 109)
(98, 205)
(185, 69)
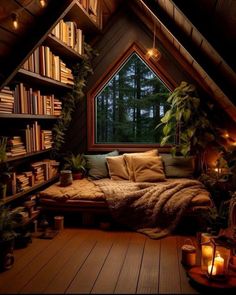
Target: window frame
(91, 106)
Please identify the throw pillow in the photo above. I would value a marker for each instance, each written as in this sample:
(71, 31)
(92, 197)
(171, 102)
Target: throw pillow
(149, 169)
(117, 168)
(98, 164)
(129, 160)
(178, 166)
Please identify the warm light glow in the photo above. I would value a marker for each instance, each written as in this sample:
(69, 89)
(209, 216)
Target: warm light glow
(15, 22)
(207, 252)
(226, 135)
(153, 52)
(43, 3)
(218, 267)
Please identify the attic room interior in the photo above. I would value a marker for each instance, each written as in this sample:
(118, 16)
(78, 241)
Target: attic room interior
(117, 146)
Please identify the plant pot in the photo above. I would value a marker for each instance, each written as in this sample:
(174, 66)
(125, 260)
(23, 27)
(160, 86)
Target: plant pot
(6, 254)
(77, 175)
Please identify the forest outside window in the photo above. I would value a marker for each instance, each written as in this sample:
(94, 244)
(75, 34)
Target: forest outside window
(130, 105)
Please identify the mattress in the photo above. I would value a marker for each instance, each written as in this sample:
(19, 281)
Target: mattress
(84, 194)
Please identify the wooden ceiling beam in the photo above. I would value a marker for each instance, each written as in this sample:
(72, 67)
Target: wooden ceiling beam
(195, 52)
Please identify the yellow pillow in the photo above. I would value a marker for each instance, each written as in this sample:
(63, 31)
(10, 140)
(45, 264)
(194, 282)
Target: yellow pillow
(117, 168)
(129, 160)
(149, 169)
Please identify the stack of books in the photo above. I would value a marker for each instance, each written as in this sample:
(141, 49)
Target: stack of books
(15, 146)
(6, 101)
(66, 75)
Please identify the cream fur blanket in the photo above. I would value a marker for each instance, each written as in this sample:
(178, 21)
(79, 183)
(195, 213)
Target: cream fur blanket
(150, 208)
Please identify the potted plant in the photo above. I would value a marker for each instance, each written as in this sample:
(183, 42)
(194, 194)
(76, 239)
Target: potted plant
(7, 238)
(77, 164)
(187, 121)
(4, 175)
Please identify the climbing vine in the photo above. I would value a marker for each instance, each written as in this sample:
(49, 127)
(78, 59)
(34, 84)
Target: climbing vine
(70, 101)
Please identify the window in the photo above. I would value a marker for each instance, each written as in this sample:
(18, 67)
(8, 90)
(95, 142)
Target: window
(127, 102)
(130, 105)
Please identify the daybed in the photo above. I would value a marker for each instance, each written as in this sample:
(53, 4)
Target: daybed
(137, 190)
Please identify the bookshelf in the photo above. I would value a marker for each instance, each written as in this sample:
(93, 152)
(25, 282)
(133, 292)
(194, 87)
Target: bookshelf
(46, 70)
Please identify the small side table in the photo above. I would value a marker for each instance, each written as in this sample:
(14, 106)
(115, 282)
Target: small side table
(195, 274)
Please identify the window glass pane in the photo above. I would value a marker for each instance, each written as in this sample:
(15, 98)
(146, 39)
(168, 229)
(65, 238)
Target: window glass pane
(130, 105)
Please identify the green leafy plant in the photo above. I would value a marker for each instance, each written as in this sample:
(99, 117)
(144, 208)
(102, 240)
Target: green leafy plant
(76, 163)
(187, 121)
(7, 224)
(71, 99)
(216, 218)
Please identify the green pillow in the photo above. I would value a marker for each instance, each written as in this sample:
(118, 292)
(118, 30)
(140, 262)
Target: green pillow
(178, 166)
(98, 164)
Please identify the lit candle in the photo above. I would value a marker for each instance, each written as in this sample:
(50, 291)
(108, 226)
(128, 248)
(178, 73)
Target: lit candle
(218, 267)
(219, 264)
(211, 269)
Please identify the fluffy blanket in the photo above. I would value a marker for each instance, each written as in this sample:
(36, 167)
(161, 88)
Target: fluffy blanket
(150, 208)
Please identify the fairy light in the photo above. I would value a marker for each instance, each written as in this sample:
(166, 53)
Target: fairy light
(153, 52)
(42, 3)
(15, 21)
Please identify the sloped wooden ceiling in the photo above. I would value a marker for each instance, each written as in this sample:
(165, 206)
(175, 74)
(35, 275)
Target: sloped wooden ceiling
(200, 34)
(213, 64)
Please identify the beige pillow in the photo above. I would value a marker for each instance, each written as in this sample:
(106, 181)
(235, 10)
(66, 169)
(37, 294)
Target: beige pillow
(129, 160)
(148, 169)
(117, 168)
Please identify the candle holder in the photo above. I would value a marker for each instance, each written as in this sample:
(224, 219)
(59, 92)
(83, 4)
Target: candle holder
(215, 255)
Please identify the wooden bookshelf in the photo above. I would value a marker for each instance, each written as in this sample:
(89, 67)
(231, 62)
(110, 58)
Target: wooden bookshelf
(9, 199)
(62, 49)
(79, 15)
(28, 116)
(28, 155)
(32, 78)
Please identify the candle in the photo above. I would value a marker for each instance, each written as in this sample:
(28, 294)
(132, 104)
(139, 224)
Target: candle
(213, 272)
(219, 263)
(218, 267)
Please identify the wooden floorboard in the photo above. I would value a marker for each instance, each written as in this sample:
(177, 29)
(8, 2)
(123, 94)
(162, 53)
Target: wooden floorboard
(83, 261)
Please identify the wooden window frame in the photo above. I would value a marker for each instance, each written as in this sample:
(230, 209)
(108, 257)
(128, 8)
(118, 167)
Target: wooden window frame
(127, 147)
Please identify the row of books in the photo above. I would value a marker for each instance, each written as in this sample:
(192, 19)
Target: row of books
(39, 172)
(37, 139)
(68, 33)
(31, 101)
(43, 62)
(34, 139)
(28, 101)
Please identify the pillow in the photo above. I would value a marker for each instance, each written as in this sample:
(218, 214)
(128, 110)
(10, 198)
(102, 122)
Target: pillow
(117, 168)
(149, 169)
(178, 166)
(98, 165)
(129, 160)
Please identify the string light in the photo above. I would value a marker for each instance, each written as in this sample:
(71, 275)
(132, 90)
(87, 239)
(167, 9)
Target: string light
(153, 52)
(15, 15)
(15, 21)
(43, 3)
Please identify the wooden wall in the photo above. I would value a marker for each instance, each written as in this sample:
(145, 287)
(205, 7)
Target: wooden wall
(123, 30)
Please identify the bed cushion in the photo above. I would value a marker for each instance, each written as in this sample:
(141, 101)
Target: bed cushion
(117, 168)
(98, 164)
(148, 169)
(129, 160)
(81, 189)
(178, 166)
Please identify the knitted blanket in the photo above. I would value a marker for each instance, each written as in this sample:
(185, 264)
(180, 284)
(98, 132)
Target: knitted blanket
(150, 208)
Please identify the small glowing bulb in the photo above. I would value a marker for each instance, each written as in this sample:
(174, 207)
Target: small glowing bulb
(15, 22)
(153, 52)
(42, 3)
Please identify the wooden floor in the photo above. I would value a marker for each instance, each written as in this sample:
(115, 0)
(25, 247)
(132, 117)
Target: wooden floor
(95, 261)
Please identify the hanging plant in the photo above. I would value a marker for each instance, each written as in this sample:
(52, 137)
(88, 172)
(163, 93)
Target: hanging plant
(70, 101)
